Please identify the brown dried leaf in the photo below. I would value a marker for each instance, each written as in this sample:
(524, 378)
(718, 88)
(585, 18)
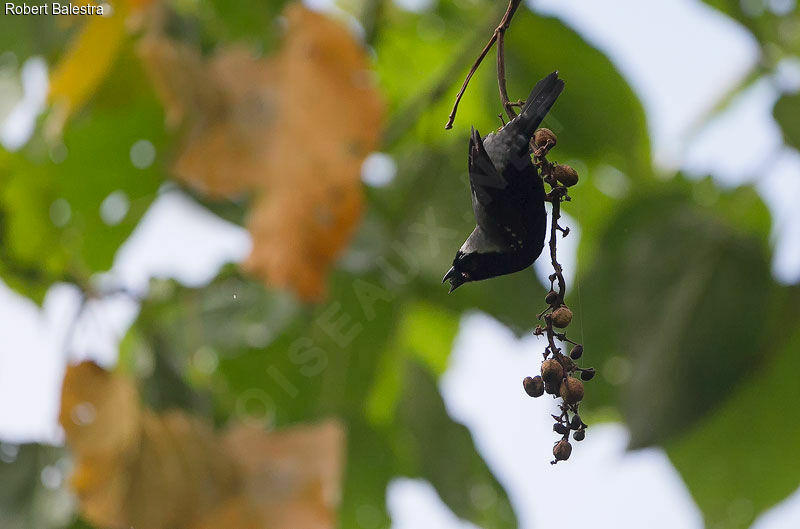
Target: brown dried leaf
(137, 468)
(179, 78)
(239, 512)
(179, 475)
(293, 128)
(230, 147)
(293, 476)
(100, 412)
(101, 417)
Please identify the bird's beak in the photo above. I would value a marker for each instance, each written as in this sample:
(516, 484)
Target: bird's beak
(456, 280)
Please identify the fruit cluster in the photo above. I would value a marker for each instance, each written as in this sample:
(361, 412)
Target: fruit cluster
(559, 379)
(560, 375)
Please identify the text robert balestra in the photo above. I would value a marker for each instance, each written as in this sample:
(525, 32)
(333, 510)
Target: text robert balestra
(54, 8)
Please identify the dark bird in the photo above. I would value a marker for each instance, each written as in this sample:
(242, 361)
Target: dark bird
(507, 195)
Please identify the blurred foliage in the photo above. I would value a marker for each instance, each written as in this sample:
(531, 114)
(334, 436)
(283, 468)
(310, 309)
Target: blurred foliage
(32, 494)
(670, 341)
(136, 468)
(773, 24)
(787, 108)
(264, 113)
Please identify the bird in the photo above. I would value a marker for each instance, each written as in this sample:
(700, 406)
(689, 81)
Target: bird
(508, 195)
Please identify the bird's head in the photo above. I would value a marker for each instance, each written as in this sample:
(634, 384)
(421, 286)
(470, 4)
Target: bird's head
(473, 266)
(476, 266)
(456, 277)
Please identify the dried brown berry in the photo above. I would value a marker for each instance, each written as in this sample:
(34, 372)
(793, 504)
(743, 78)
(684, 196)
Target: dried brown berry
(551, 297)
(560, 428)
(562, 316)
(534, 386)
(580, 435)
(562, 450)
(576, 352)
(587, 374)
(552, 372)
(552, 389)
(571, 390)
(566, 175)
(544, 140)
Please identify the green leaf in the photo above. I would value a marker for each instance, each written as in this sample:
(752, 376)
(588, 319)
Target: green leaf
(430, 444)
(370, 467)
(597, 118)
(80, 523)
(741, 461)
(52, 225)
(421, 61)
(25, 501)
(412, 47)
(659, 315)
(216, 21)
(323, 361)
(425, 334)
(787, 114)
(30, 35)
(182, 333)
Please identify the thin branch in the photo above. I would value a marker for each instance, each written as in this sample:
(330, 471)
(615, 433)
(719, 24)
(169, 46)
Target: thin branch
(500, 32)
(409, 114)
(88, 294)
(497, 36)
(554, 228)
(452, 116)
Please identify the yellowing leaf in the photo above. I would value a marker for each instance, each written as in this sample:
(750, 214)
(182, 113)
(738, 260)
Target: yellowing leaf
(138, 468)
(293, 475)
(135, 468)
(179, 474)
(293, 129)
(101, 417)
(328, 121)
(179, 79)
(291, 478)
(229, 150)
(238, 512)
(294, 246)
(100, 412)
(88, 60)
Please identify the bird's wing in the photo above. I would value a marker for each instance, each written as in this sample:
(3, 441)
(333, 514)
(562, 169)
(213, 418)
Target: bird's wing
(486, 182)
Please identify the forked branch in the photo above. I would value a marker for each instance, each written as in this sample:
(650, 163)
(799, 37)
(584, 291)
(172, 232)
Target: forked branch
(499, 37)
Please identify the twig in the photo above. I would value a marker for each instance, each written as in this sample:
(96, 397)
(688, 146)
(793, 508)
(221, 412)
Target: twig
(554, 227)
(501, 58)
(69, 335)
(410, 112)
(88, 294)
(557, 315)
(498, 36)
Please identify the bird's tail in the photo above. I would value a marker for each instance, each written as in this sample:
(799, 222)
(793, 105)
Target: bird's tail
(542, 97)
